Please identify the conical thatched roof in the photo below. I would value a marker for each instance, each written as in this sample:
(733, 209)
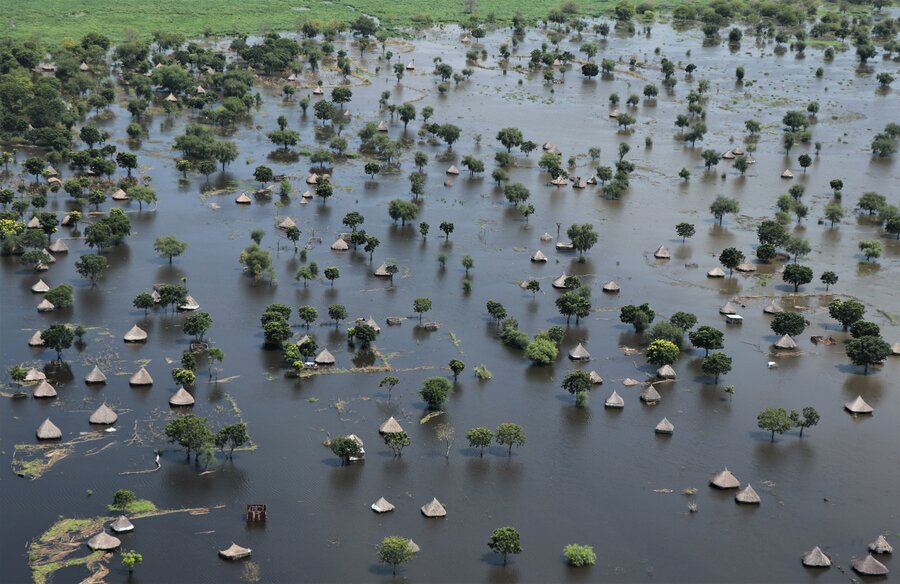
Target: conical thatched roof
(414, 547)
(48, 431)
(728, 155)
(881, 546)
(121, 525)
(381, 271)
(235, 552)
(382, 505)
(390, 426)
(135, 335)
(318, 90)
(45, 306)
(560, 282)
(614, 114)
(662, 253)
(371, 322)
(36, 340)
(548, 146)
(747, 496)
(382, 127)
(120, 195)
(559, 181)
(614, 401)
(67, 220)
(33, 223)
(649, 395)
(44, 389)
(40, 287)
(242, 199)
(869, 566)
(104, 415)
(292, 77)
(816, 558)
(104, 541)
(95, 376)
(728, 309)
(411, 66)
(171, 98)
(453, 170)
(595, 378)
(312, 179)
(666, 372)
(665, 427)
(858, 406)
(35, 375)
(339, 245)
(579, 184)
(433, 509)
(724, 480)
(189, 303)
(579, 353)
(716, 272)
(538, 256)
(787, 173)
(611, 287)
(324, 358)
(546, 237)
(592, 180)
(772, 308)
(59, 246)
(628, 382)
(141, 377)
(200, 90)
(785, 343)
(287, 223)
(48, 258)
(181, 398)
(738, 151)
(745, 267)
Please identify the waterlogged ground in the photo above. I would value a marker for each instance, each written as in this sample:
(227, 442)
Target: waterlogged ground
(589, 476)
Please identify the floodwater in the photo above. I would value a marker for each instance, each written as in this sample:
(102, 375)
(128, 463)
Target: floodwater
(589, 476)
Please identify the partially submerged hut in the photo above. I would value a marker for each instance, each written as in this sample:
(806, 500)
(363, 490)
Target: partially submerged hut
(611, 287)
(595, 378)
(382, 505)
(45, 306)
(324, 358)
(728, 155)
(614, 401)
(48, 431)
(565, 246)
(44, 390)
(411, 66)
(189, 304)
(371, 322)
(235, 552)
(869, 566)
(141, 377)
(716, 272)
(104, 541)
(121, 525)
(390, 426)
(786, 343)
(453, 170)
(40, 287)
(895, 349)
(628, 382)
(95, 376)
(724, 480)
(243, 199)
(728, 308)
(538, 256)
(560, 282)
(772, 308)
(546, 237)
(747, 496)
(34, 375)
(665, 427)
(433, 509)
(881, 546)
(650, 396)
(120, 195)
(312, 179)
(171, 98)
(103, 415)
(662, 253)
(414, 547)
(339, 245)
(745, 267)
(135, 335)
(382, 271)
(287, 223)
(36, 340)
(382, 127)
(666, 372)
(181, 398)
(816, 558)
(559, 181)
(59, 246)
(858, 406)
(787, 173)
(579, 353)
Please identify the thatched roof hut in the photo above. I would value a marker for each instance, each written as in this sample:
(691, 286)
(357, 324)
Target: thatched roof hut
(382, 271)
(724, 480)
(35, 375)
(120, 195)
(141, 377)
(728, 309)
(579, 353)
(772, 308)
(628, 382)
(595, 378)
(559, 181)
(433, 509)
(664, 427)
(312, 179)
(103, 415)
(48, 258)
(243, 199)
(666, 372)
(292, 77)
(339, 245)
(611, 287)
(171, 98)
(324, 358)
(48, 431)
(649, 395)
(786, 343)
(382, 505)
(858, 406)
(662, 253)
(881, 546)
(895, 349)
(54, 182)
(787, 173)
(43, 390)
(104, 541)
(737, 151)
(579, 183)
(95, 376)
(560, 282)
(546, 237)
(200, 90)
(189, 304)
(371, 322)
(728, 155)
(614, 401)
(452, 170)
(716, 272)
(816, 558)
(745, 267)
(235, 552)
(59, 246)
(747, 496)
(548, 146)
(592, 180)
(45, 306)
(382, 127)
(40, 287)
(36, 340)
(135, 335)
(121, 525)
(614, 114)
(414, 547)
(287, 223)
(411, 66)
(181, 398)
(318, 90)
(869, 566)
(390, 426)
(538, 256)
(33, 223)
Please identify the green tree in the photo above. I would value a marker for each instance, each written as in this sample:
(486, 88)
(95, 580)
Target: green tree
(169, 246)
(421, 305)
(190, 432)
(797, 246)
(447, 228)
(788, 323)
(510, 138)
(867, 351)
(834, 213)
(480, 438)
(774, 420)
(307, 273)
(143, 301)
(579, 555)
(337, 313)
(828, 278)
(232, 436)
(797, 275)
(707, 338)
(583, 237)
(731, 257)
(862, 328)
(577, 382)
(685, 230)
(122, 499)
(509, 434)
(345, 448)
(332, 273)
(402, 210)
(710, 158)
(130, 559)
(307, 314)
(90, 266)
(197, 325)
(716, 364)
(871, 248)
(662, 352)
(396, 441)
(505, 541)
(722, 206)
(256, 262)
(808, 419)
(57, 337)
(541, 351)
(142, 195)
(395, 550)
(639, 317)
(390, 381)
(683, 320)
(468, 263)
(457, 367)
(435, 391)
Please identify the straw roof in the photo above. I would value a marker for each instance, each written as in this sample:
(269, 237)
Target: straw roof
(324, 358)
(433, 509)
(181, 398)
(869, 566)
(662, 253)
(411, 66)
(414, 547)
(44, 389)
(649, 395)
(559, 181)
(242, 199)
(104, 415)
(664, 427)
(36, 340)
(120, 195)
(747, 496)
(45, 306)
(48, 431)
(59, 246)
(666, 372)
(628, 382)
(895, 349)
(724, 480)
(199, 89)
(33, 223)
(390, 426)
(382, 505)
(728, 309)
(745, 267)
(287, 223)
(858, 406)
(95, 376)
(579, 184)
(612, 287)
(614, 401)
(292, 77)
(453, 170)
(235, 552)
(787, 173)
(135, 335)
(548, 146)
(382, 271)
(737, 151)
(614, 114)
(67, 220)
(592, 180)
(54, 181)
(35, 375)
(312, 179)
(121, 525)
(538, 256)
(772, 308)
(816, 558)
(565, 245)
(560, 282)
(579, 353)
(189, 303)
(382, 127)
(785, 343)
(339, 245)
(881, 546)
(595, 378)
(104, 541)
(40, 287)
(371, 322)
(318, 90)
(141, 377)
(546, 237)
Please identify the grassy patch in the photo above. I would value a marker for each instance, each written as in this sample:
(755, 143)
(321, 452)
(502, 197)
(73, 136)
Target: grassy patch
(40, 572)
(138, 507)
(481, 372)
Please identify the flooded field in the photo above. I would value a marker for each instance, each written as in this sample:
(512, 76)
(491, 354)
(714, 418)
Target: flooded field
(590, 475)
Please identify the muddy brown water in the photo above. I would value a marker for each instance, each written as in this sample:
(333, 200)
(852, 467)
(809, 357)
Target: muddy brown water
(589, 475)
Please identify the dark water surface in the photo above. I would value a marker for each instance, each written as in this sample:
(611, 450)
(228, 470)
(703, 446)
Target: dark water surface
(589, 475)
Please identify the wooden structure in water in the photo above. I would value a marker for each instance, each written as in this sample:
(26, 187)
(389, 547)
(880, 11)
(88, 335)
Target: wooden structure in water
(256, 512)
